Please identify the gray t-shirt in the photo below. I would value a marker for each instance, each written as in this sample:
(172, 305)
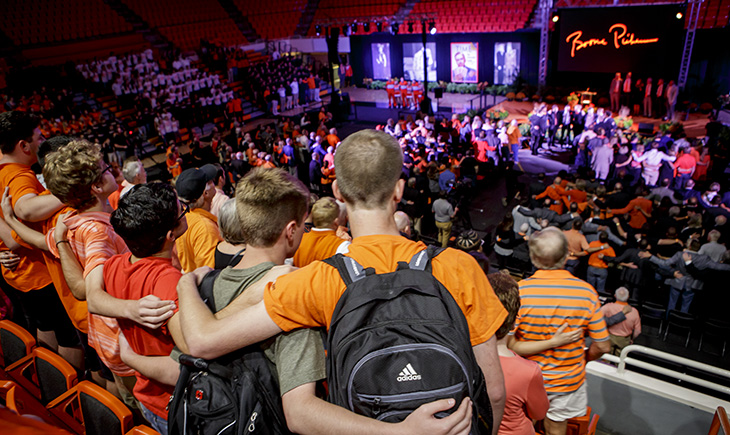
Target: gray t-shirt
(298, 355)
(442, 210)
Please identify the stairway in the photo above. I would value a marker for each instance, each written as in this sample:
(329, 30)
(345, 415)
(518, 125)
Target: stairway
(305, 22)
(140, 26)
(241, 21)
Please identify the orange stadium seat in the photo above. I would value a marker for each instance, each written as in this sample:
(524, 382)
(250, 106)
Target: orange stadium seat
(89, 409)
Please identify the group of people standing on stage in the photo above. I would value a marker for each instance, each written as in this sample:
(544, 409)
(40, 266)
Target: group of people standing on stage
(402, 93)
(652, 100)
(553, 126)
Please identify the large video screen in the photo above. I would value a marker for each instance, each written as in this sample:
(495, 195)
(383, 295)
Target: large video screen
(413, 61)
(506, 62)
(606, 40)
(381, 60)
(464, 62)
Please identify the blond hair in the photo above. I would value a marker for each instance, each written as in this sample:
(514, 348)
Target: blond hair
(266, 201)
(369, 164)
(324, 212)
(71, 171)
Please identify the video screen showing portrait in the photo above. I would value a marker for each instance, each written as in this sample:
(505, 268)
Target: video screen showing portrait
(381, 60)
(413, 55)
(506, 62)
(464, 62)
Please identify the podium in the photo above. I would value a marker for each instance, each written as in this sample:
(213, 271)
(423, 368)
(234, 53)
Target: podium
(586, 97)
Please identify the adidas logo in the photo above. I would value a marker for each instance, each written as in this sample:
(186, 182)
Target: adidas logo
(408, 374)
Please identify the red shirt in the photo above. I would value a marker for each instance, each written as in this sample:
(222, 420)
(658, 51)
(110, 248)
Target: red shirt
(147, 276)
(525, 395)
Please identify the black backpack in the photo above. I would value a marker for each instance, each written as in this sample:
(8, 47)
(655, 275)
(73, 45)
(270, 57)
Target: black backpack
(231, 395)
(399, 340)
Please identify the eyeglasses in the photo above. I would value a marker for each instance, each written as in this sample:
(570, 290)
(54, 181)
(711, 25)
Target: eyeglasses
(109, 168)
(186, 209)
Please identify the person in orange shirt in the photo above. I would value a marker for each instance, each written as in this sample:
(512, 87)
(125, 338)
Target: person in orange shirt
(196, 248)
(597, 268)
(638, 208)
(369, 164)
(390, 89)
(403, 88)
(29, 281)
(555, 192)
(173, 161)
(332, 138)
(322, 241)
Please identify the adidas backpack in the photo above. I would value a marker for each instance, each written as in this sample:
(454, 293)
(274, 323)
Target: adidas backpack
(233, 395)
(399, 340)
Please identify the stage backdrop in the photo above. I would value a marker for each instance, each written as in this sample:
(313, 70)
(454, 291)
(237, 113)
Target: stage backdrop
(465, 62)
(506, 62)
(646, 40)
(381, 61)
(403, 46)
(413, 61)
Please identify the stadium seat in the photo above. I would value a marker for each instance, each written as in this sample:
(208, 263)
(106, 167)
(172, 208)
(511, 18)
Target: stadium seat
(45, 374)
(715, 328)
(15, 343)
(88, 408)
(652, 313)
(680, 320)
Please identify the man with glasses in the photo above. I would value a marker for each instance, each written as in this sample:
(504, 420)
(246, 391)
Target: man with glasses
(196, 247)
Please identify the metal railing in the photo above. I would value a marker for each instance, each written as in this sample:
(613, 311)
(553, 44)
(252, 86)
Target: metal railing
(623, 360)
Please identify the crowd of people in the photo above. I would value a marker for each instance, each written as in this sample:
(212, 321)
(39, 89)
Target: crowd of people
(643, 97)
(104, 267)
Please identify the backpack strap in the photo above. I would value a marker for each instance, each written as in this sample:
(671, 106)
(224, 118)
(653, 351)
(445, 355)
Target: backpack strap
(422, 260)
(350, 270)
(206, 288)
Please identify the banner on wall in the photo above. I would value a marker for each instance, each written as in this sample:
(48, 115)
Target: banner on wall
(506, 62)
(413, 55)
(464, 62)
(381, 60)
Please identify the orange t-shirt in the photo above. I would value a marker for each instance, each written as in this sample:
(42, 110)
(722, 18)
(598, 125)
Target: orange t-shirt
(93, 240)
(525, 399)
(115, 196)
(594, 261)
(307, 297)
(147, 276)
(196, 247)
(317, 244)
(77, 310)
(31, 273)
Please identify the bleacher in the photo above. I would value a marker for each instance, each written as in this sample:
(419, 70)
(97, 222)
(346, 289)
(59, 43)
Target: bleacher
(463, 16)
(186, 22)
(51, 21)
(272, 19)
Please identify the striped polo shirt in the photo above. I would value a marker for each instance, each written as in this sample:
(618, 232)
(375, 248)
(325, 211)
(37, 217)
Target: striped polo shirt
(550, 298)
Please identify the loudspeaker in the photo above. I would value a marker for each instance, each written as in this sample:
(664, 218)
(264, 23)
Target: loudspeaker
(646, 128)
(438, 93)
(332, 50)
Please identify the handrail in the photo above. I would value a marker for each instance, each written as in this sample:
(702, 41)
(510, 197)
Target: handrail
(623, 360)
(720, 420)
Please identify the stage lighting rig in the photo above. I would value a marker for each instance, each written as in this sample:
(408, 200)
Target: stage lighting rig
(410, 27)
(345, 30)
(394, 27)
(555, 18)
(432, 27)
(379, 26)
(318, 29)
(366, 26)
(679, 15)
(353, 26)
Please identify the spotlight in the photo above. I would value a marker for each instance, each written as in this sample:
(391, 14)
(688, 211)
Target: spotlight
(366, 27)
(318, 29)
(432, 27)
(345, 30)
(353, 26)
(555, 18)
(410, 27)
(379, 26)
(679, 15)
(394, 27)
